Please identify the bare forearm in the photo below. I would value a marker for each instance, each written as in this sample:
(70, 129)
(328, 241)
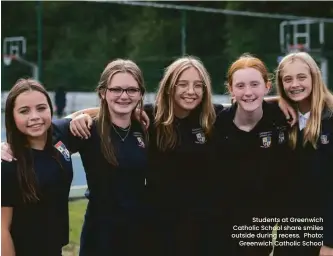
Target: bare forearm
(90, 111)
(272, 99)
(7, 245)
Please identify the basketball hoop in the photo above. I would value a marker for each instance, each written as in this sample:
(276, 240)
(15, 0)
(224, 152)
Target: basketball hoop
(293, 48)
(7, 59)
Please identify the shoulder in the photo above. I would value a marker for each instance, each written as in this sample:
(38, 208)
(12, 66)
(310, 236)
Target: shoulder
(273, 113)
(150, 110)
(61, 124)
(218, 108)
(8, 170)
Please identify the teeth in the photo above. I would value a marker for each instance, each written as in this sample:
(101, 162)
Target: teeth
(35, 125)
(188, 100)
(297, 91)
(248, 100)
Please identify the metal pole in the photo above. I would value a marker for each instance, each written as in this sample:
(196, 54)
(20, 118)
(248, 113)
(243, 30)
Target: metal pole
(183, 31)
(39, 39)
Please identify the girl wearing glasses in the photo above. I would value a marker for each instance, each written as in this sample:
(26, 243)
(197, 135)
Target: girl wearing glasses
(115, 161)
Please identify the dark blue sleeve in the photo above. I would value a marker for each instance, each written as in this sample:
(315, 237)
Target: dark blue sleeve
(218, 108)
(328, 221)
(10, 191)
(62, 132)
(150, 111)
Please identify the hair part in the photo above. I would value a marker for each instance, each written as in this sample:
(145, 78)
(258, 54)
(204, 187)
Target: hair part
(103, 118)
(19, 142)
(165, 104)
(320, 98)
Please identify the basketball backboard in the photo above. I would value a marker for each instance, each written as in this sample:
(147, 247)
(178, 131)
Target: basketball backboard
(304, 35)
(16, 46)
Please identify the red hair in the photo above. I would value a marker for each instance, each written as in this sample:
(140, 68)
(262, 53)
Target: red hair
(248, 61)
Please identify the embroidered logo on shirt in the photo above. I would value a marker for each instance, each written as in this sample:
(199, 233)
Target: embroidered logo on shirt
(63, 150)
(324, 139)
(266, 139)
(139, 137)
(200, 136)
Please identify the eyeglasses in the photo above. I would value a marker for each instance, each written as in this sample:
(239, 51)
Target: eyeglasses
(197, 87)
(118, 91)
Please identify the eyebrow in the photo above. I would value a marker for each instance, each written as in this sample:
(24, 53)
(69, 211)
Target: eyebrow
(39, 105)
(195, 81)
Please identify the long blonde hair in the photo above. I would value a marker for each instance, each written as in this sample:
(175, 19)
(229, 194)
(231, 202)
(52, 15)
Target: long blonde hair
(164, 117)
(103, 118)
(320, 98)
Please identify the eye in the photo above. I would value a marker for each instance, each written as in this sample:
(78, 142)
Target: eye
(24, 111)
(133, 90)
(287, 80)
(302, 78)
(182, 85)
(116, 89)
(41, 108)
(198, 86)
(255, 84)
(239, 86)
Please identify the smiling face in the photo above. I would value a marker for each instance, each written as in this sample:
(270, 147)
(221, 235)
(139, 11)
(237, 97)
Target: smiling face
(297, 81)
(248, 88)
(32, 114)
(189, 91)
(122, 94)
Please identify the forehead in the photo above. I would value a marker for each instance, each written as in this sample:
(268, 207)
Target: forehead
(295, 67)
(30, 99)
(123, 79)
(190, 74)
(246, 75)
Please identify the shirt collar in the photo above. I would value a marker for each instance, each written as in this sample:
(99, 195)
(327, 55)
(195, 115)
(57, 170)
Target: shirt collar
(303, 119)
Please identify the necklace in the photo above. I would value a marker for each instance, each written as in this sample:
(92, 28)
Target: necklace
(124, 130)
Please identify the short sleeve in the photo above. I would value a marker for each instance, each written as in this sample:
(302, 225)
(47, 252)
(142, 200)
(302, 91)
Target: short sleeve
(10, 190)
(218, 108)
(62, 132)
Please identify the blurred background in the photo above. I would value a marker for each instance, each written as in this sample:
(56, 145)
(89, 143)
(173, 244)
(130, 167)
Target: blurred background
(67, 45)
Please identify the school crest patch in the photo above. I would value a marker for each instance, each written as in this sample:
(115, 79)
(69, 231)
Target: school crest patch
(266, 139)
(63, 150)
(200, 136)
(324, 139)
(140, 139)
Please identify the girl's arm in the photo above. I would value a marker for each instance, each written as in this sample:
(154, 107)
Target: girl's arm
(7, 245)
(89, 111)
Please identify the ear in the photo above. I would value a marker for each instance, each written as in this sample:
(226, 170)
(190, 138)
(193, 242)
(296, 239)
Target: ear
(268, 87)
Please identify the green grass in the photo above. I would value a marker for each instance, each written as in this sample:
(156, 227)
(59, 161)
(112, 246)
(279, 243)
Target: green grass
(77, 210)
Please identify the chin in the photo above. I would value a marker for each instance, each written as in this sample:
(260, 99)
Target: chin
(123, 111)
(250, 107)
(190, 106)
(298, 98)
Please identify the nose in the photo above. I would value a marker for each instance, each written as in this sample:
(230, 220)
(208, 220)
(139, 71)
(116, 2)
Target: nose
(34, 115)
(248, 91)
(124, 95)
(294, 83)
(190, 89)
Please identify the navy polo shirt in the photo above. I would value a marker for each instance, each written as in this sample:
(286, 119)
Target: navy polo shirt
(40, 228)
(311, 180)
(180, 180)
(116, 193)
(256, 164)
